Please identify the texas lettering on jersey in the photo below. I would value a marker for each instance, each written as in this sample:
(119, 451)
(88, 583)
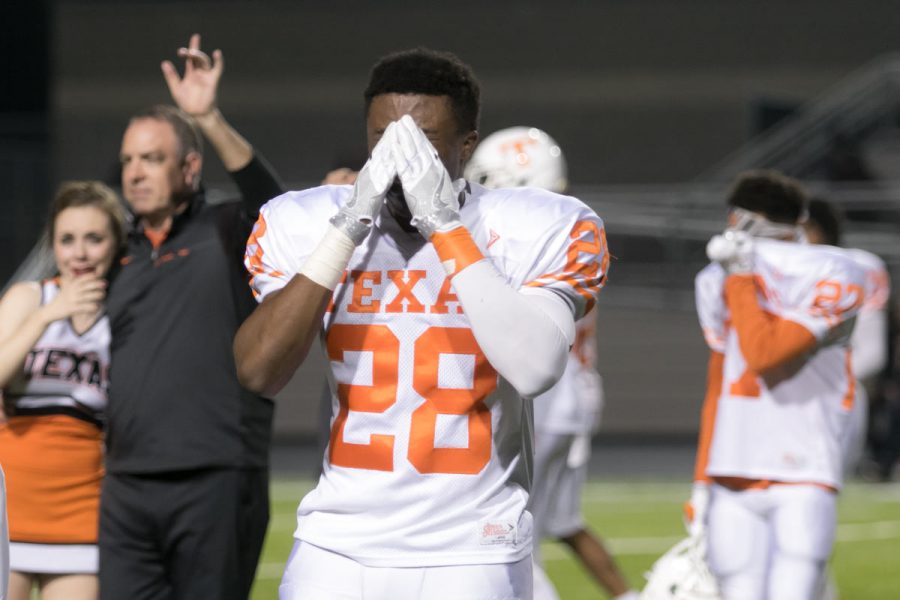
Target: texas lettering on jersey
(64, 368)
(415, 409)
(368, 287)
(67, 365)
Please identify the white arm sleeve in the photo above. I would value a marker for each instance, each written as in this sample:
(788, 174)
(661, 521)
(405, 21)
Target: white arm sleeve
(525, 336)
(869, 343)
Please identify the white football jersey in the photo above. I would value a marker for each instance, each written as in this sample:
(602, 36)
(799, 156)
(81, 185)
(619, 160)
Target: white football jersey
(64, 369)
(878, 282)
(870, 336)
(426, 465)
(574, 404)
(786, 427)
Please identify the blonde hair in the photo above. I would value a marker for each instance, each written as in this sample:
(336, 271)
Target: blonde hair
(89, 193)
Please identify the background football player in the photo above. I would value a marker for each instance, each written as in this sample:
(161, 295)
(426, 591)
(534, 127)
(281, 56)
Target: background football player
(823, 225)
(777, 314)
(566, 415)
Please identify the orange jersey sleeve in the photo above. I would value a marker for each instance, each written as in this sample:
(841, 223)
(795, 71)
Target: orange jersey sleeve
(766, 341)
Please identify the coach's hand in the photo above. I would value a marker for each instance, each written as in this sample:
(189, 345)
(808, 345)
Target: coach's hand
(356, 216)
(733, 250)
(429, 192)
(195, 93)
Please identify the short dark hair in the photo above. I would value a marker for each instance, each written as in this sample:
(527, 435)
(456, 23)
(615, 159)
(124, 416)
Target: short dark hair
(74, 194)
(432, 73)
(828, 218)
(186, 132)
(776, 196)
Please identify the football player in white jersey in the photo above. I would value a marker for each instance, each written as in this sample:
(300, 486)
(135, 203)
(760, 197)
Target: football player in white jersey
(869, 341)
(424, 289)
(777, 314)
(566, 415)
(54, 363)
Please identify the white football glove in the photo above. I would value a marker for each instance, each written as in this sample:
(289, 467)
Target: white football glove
(733, 250)
(429, 192)
(357, 214)
(695, 510)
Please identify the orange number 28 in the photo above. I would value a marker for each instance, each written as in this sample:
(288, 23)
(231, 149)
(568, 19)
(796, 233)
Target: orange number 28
(384, 347)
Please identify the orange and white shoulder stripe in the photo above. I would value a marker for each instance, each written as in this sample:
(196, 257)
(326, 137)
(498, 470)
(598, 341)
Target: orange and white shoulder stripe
(287, 231)
(878, 281)
(253, 257)
(587, 262)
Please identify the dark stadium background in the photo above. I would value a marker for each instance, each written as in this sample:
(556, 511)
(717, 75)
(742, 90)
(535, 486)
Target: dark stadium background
(653, 101)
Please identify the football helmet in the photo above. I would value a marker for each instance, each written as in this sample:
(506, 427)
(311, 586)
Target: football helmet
(682, 574)
(519, 157)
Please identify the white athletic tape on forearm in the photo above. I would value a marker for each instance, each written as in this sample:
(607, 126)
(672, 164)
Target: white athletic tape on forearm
(326, 264)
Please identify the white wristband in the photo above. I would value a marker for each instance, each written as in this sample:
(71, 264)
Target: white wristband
(326, 264)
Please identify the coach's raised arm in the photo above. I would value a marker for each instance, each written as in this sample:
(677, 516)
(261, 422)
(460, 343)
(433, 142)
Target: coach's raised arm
(186, 445)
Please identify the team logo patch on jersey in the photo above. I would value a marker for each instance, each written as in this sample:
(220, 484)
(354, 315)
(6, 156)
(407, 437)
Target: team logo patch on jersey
(494, 237)
(492, 534)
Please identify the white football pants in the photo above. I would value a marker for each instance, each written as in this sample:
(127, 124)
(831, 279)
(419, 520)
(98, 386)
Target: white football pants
(313, 573)
(770, 544)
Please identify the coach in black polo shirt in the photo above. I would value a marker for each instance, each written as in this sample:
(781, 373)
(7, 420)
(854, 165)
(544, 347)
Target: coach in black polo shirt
(184, 507)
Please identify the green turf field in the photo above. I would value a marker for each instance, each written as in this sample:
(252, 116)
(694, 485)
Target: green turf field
(640, 520)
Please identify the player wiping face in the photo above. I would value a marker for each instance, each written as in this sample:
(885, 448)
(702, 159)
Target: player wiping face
(756, 225)
(734, 246)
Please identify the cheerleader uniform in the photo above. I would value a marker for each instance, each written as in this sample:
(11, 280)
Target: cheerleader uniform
(51, 448)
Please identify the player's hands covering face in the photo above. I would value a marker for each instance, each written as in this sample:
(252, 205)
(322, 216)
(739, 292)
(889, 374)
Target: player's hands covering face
(356, 216)
(733, 250)
(427, 187)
